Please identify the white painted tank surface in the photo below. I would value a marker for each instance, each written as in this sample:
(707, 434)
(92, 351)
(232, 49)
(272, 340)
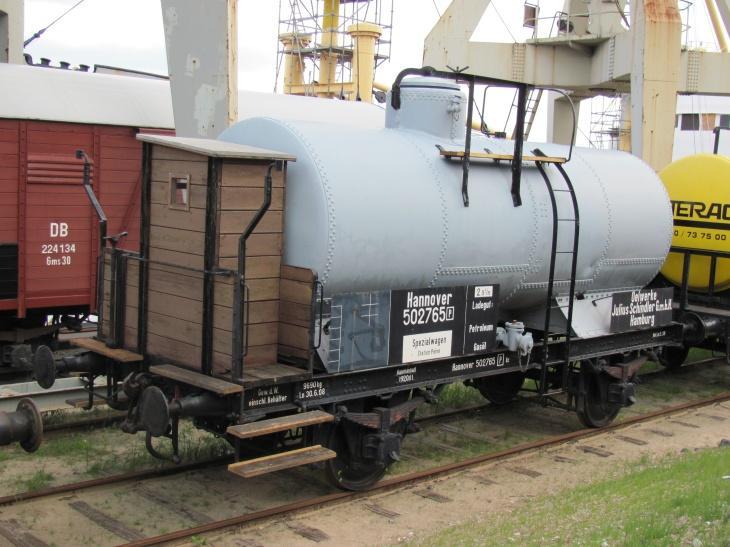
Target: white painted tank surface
(373, 209)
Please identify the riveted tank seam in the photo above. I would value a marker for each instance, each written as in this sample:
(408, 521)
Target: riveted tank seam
(609, 217)
(633, 261)
(532, 259)
(455, 117)
(544, 284)
(331, 217)
(485, 270)
(442, 202)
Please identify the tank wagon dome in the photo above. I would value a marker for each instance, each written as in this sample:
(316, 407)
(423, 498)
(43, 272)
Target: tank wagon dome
(372, 209)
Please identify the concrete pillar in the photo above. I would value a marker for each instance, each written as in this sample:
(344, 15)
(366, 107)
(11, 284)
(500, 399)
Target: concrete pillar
(11, 31)
(365, 36)
(657, 37)
(560, 118)
(202, 59)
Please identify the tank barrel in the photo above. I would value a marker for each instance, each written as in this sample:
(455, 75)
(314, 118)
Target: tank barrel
(23, 426)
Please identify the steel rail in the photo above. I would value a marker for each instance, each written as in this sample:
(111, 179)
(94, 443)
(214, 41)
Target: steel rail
(47, 399)
(88, 423)
(419, 476)
(112, 479)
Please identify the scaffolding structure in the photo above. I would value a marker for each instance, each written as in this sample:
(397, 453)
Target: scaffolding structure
(606, 129)
(331, 48)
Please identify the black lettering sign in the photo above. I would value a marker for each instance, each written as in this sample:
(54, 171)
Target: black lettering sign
(635, 310)
(480, 329)
(426, 324)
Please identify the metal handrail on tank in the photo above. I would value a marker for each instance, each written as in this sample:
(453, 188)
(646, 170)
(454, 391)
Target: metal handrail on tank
(460, 75)
(575, 118)
(503, 134)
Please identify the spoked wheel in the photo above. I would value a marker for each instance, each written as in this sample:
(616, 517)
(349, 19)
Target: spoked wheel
(500, 389)
(673, 357)
(594, 409)
(348, 471)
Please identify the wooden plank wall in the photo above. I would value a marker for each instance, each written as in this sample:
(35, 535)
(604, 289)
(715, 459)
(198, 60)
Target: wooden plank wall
(295, 311)
(241, 195)
(177, 237)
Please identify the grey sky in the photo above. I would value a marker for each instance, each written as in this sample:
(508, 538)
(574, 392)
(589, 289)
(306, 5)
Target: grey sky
(129, 33)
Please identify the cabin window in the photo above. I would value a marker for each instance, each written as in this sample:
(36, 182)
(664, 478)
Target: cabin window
(180, 192)
(690, 122)
(708, 122)
(725, 121)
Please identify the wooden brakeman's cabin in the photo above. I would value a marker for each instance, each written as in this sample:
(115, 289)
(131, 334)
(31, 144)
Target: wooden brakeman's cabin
(179, 294)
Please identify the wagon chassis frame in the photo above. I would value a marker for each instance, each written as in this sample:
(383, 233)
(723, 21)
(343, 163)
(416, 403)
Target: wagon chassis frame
(383, 381)
(322, 389)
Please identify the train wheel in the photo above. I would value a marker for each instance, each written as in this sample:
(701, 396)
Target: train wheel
(593, 407)
(673, 357)
(348, 471)
(500, 389)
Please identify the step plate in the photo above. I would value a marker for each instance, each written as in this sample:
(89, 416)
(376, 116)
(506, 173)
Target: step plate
(190, 377)
(285, 460)
(97, 346)
(275, 425)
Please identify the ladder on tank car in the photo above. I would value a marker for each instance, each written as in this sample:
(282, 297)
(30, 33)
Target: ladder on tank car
(559, 222)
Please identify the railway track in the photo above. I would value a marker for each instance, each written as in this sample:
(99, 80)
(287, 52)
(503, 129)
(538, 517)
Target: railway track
(47, 400)
(166, 471)
(110, 480)
(103, 421)
(209, 525)
(419, 477)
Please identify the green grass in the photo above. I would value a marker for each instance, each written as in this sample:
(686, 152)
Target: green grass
(194, 446)
(697, 354)
(76, 445)
(675, 501)
(459, 396)
(36, 481)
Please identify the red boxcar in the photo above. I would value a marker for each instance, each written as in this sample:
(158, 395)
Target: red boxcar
(48, 229)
